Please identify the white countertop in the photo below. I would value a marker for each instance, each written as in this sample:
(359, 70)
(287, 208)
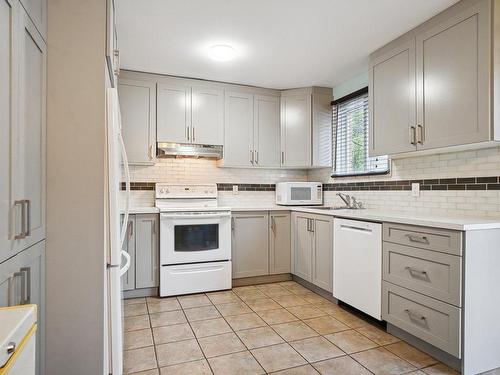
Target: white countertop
(464, 223)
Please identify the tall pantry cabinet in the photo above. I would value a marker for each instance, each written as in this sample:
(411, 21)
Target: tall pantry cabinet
(22, 158)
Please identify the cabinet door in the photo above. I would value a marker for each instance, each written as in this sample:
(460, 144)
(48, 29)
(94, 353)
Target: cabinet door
(279, 243)
(128, 279)
(9, 11)
(249, 244)
(322, 268)
(266, 131)
(138, 113)
(296, 130)
(453, 70)
(10, 283)
(303, 247)
(28, 148)
(37, 11)
(238, 129)
(146, 251)
(207, 125)
(173, 113)
(392, 101)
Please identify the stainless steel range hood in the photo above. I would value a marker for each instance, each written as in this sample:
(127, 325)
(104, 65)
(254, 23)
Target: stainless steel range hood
(168, 149)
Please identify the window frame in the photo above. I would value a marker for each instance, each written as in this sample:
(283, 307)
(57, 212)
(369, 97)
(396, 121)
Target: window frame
(352, 95)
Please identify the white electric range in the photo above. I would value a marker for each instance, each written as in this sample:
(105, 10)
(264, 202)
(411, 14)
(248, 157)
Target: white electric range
(195, 239)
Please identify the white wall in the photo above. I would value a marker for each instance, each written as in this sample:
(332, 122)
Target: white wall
(351, 85)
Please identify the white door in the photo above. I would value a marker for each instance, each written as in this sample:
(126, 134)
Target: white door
(173, 113)
(9, 12)
(453, 78)
(238, 129)
(28, 148)
(138, 113)
(296, 130)
(266, 131)
(207, 125)
(392, 101)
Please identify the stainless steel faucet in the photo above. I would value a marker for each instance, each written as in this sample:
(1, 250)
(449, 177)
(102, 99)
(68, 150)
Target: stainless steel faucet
(346, 198)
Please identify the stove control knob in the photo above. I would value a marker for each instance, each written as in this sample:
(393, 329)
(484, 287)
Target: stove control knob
(206, 191)
(211, 191)
(162, 190)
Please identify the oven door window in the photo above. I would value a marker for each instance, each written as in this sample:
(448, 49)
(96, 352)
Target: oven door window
(196, 237)
(300, 193)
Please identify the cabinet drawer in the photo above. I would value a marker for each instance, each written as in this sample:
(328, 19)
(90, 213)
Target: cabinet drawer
(428, 319)
(434, 274)
(448, 241)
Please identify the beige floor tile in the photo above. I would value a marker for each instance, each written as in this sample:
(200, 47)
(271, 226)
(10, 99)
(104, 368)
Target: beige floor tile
(287, 284)
(153, 299)
(167, 318)
(248, 295)
(316, 349)
(259, 337)
(134, 323)
(147, 372)
(194, 300)
(242, 363)
(136, 360)
(440, 369)
(227, 296)
(178, 352)
(135, 309)
(278, 357)
(351, 341)
(348, 318)
(294, 331)
(277, 316)
(418, 372)
(168, 304)
(381, 361)
(377, 335)
(297, 289)
(227, 343)
(340, 366)
(199, 367)
(277, 292)
(290, 301)
(137, 339)
(133, 301)
(237, 308)
(245, 321)
(240, 289)
(314, 298)
(210, 327)
(410, 354)
(172, 333)
(328, 307)
(326, 324)
(306, 312)
(262, 304)
(301, 370)
(201, 313)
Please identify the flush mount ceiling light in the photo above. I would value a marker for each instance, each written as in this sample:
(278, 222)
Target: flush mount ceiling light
(222, 52)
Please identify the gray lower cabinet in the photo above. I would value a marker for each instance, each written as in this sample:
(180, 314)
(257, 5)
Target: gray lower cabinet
(313, 248)
(279, 242)
(22, 281)
(250, 254)
(142, 244)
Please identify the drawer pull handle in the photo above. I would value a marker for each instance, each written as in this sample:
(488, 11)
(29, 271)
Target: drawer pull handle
(414, 271)
(416, 317)
(418, 239)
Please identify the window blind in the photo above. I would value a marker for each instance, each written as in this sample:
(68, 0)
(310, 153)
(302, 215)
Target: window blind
(350, 137)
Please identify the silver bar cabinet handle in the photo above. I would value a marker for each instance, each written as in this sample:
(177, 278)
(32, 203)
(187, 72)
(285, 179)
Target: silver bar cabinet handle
(27, 277)
(23, 286)
(413, 135)
(412, 270)
(420, 134)
(21, 235)
(415, 316)
(256, 157)
(27, 232)
(187, 130)
(192, 131)
(418, 239)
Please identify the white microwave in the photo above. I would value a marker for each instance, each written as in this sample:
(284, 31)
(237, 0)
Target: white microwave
(299, 193)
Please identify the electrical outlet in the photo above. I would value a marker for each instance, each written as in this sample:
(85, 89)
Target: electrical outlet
(235, 189)
(415, 189)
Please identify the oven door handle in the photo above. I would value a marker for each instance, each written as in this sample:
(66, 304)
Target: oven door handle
(195, 216)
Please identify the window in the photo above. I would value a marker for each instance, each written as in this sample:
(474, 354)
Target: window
(350, 138)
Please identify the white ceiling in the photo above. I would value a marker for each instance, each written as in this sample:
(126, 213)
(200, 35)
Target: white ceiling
(280, 43)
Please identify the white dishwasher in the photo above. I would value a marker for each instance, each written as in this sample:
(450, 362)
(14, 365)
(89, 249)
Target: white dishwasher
(357, 265)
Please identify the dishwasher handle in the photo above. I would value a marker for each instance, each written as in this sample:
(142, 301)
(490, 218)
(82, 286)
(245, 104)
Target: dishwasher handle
(352, 227)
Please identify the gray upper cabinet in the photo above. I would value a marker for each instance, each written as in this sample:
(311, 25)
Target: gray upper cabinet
(279, 242)
(296, 129)
(453, 80)
(138, 113)
(238, 142)
(207, 118)
(37, 11)
(250, 244)
(173, 113)
(147, 251)
(392, 113)
(266, 131)
(432, 87)
(322, 269)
